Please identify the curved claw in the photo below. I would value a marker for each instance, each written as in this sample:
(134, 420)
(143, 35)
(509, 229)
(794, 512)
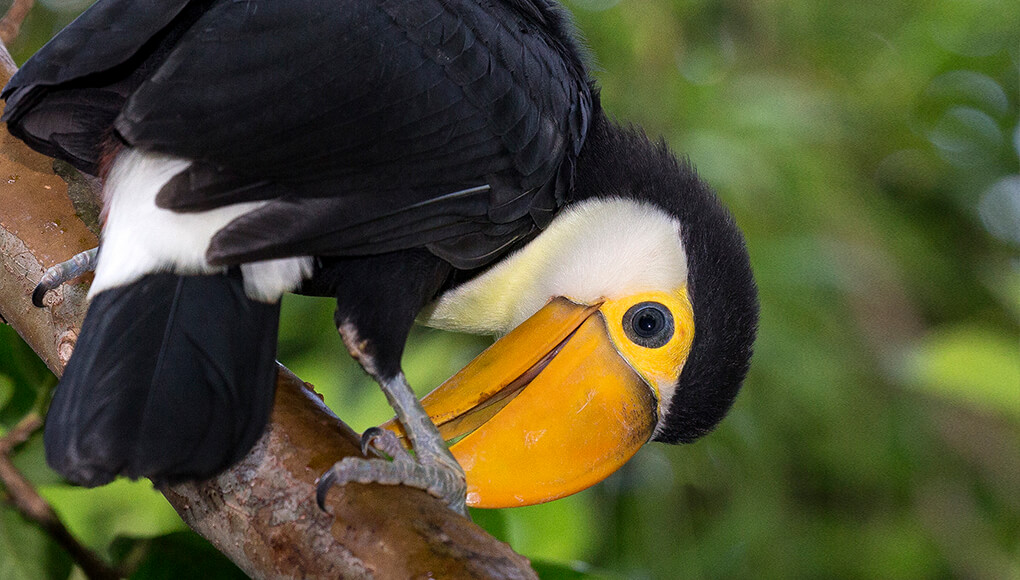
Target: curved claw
(64, 272)
(375, 440)
(368, 439)
(432, 469)
(39, 294)
(383, 443)
(434, 479)
(326, 482)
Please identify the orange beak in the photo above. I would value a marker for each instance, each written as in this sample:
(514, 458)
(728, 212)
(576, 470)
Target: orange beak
(548, 410)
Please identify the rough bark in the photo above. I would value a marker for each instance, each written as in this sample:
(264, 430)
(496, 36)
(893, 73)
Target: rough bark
(261, 513)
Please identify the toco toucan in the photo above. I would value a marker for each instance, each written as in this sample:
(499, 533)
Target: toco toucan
(445, 162)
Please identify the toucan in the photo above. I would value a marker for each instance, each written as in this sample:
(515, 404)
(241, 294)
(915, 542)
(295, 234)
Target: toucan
(441, 162)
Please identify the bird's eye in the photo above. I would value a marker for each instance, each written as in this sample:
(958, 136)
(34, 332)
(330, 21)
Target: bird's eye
(648, 324)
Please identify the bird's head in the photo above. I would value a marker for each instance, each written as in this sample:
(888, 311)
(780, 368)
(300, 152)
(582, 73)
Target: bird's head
(629, 319)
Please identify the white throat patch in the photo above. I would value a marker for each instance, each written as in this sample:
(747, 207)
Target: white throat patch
(595, 249)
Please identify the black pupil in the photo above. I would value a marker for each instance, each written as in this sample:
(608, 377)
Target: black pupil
(648, 322)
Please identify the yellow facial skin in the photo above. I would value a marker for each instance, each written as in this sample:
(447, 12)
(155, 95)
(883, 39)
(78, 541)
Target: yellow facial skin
(659, 366)
(559, 403)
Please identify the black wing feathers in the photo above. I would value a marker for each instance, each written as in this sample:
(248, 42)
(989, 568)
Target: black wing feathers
(377, 106)
(64, 100)
(400, 103)
(206, 357)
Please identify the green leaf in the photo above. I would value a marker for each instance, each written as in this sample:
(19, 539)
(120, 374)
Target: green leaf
(561, 530)
(6, 390)
(973, 364)
(25, 381)
(26, 552)
(492, 521)
(557, 571)
(122, 508)
(574, 571)
(172, 556)
(30, 459)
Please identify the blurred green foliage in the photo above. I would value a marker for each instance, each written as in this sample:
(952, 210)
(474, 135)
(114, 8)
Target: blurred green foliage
(870, 152)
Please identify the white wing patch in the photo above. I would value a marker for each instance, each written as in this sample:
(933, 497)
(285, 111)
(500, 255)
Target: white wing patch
(140, 238)
(267, 280)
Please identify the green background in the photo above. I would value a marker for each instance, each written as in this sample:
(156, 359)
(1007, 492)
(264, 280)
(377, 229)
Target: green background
(869, 150)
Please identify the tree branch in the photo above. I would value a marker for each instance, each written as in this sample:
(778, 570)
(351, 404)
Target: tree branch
(36, 509)
(262, 512)
(10, 24)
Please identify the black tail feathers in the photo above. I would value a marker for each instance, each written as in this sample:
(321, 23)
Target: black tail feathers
(172, 379)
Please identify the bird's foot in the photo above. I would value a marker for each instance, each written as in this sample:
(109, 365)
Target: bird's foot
(437, 474)
(64, 272)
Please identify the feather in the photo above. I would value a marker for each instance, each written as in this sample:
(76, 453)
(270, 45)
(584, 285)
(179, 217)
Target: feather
(63, 101)
(172, 379)
(413, 101)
